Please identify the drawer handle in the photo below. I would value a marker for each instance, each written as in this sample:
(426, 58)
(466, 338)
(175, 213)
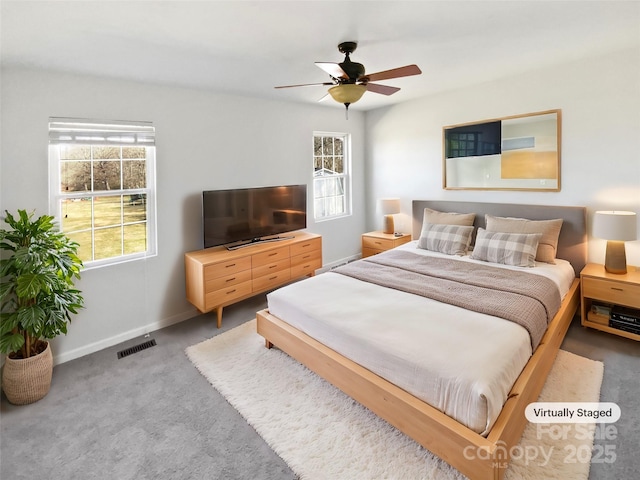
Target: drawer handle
(378, 243)
(230, 265)
(306, 245)
(305, 257)
(272, 254)
(231, 291)
(272, 266)
(231, 279)
(617, 289)
(273, 278)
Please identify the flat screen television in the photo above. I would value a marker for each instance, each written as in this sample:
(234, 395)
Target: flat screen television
(240, 217)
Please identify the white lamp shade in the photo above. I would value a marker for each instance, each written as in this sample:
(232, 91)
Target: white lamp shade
(615, 225)
(389, 206)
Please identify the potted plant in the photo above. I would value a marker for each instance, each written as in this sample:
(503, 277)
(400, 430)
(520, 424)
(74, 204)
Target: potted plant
(37, 298)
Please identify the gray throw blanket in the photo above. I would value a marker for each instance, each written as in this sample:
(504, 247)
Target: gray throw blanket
(524, 298)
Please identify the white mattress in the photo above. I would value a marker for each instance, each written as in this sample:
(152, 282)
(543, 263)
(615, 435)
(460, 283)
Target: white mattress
(463, 363)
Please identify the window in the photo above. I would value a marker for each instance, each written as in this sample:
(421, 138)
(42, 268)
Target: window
(102, 187)
(331, 181)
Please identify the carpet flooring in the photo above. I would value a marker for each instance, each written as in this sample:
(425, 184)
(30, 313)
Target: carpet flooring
(322, 434)
(153, 416)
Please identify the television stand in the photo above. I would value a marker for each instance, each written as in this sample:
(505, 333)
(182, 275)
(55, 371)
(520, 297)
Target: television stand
(254, 241)
(217, 277)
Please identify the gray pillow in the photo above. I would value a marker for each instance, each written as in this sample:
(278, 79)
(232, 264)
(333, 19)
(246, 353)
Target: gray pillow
(449, 239)
(518, 249)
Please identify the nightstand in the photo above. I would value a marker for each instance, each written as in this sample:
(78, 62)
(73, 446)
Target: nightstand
(601, 291)
(377, 242)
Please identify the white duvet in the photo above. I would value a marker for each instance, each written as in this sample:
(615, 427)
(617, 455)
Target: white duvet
(462, 362)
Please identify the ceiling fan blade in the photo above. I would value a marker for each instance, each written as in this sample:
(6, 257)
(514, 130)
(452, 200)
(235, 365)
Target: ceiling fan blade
(306, 85)
(324, 97)
(383, 89)
(333, 69)
(405, 71)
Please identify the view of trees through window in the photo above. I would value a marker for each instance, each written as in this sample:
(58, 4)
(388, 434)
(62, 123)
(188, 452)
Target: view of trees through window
(103, 199)
(330, 180)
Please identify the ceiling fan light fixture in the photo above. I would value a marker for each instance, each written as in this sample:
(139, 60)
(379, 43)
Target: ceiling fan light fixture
(347, 93)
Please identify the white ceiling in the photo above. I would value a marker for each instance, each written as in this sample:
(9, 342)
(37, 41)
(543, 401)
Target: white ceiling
(248, 47)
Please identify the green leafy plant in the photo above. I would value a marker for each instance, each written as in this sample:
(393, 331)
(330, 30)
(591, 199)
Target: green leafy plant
(37, 294)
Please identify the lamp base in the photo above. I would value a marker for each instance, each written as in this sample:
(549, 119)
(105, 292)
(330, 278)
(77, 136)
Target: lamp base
(615, 257)
(388, 224)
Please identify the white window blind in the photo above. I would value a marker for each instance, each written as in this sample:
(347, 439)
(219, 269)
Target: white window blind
(92, 132)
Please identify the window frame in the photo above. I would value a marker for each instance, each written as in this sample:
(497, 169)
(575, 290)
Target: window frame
(346, 175)
(57, 199)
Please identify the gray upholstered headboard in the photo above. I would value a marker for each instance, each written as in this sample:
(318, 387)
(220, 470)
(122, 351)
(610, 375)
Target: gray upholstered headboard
(572, 243)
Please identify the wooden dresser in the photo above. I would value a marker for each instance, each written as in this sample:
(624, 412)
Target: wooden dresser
(217, 277)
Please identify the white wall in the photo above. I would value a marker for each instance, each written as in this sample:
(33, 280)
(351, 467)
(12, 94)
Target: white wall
(204, 141)
(600, 166)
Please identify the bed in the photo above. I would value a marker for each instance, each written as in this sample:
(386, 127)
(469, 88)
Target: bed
(354, 344)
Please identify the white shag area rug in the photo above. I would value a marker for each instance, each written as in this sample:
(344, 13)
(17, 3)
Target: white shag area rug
(321, 433)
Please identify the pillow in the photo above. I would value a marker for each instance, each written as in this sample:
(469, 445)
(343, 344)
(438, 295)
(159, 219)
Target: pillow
(550, 230)
(518, 249)
(447, 218)
(449, 239)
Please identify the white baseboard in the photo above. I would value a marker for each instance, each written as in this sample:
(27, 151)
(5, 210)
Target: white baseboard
(330, 266)
(122, 337)
(140, 331)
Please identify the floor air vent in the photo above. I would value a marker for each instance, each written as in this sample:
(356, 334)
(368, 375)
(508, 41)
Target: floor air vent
(136, 348)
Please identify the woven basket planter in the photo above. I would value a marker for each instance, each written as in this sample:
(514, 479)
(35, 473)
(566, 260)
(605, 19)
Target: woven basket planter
(27, 380)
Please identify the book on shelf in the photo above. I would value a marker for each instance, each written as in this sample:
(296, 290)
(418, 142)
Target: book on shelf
(599, 313)
(625, 326)
(601, 309)
(625, 314)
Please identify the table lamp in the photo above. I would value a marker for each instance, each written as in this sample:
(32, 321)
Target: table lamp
(389, 207)
(616, 227)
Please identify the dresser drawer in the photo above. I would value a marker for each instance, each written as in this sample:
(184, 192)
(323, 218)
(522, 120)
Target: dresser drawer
(227, 280)
(269, 256)
(306, 257)
(306, 267)
(611, 291)
(229, 294)
(223, 269)
(270, 268)
(301, 248)
(267, 282)
(377, 243)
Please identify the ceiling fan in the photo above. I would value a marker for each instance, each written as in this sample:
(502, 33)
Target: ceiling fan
(349, 80)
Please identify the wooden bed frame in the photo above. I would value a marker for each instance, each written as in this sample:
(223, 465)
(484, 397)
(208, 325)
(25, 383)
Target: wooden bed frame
(475, 456)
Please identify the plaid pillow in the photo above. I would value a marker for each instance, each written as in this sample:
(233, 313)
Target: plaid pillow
(449, 239)
(517, 249)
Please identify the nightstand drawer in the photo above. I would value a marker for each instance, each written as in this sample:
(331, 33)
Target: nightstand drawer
(377, 243)
(611, 291)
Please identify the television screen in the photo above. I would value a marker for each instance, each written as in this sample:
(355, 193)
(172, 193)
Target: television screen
(250, 214)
